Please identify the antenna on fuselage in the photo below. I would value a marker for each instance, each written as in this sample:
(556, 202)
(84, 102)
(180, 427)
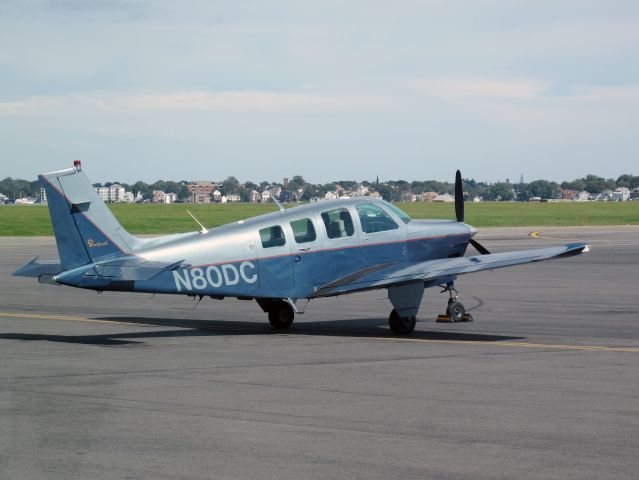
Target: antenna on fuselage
(279, 205)
(204, 230)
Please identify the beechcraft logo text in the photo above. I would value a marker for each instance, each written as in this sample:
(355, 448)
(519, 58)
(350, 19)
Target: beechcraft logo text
(93, 244)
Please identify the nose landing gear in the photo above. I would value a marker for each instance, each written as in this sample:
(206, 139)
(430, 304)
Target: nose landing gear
(455, 311)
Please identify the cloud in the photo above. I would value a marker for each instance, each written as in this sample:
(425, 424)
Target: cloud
(195, 101)
(462, 88)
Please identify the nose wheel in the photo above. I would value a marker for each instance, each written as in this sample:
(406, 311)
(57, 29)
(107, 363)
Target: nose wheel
(455, 311)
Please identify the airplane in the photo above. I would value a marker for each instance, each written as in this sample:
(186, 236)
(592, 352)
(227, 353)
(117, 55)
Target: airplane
(280, 259)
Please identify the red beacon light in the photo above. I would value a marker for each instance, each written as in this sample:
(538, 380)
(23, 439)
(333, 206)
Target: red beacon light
(77, 164)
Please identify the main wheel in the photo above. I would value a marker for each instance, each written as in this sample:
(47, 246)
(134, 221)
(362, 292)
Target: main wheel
(455, 311)
(281, 315)
(399, 325)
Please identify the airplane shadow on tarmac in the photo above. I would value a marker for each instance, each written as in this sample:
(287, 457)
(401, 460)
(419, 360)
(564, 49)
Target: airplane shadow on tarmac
(355, 328)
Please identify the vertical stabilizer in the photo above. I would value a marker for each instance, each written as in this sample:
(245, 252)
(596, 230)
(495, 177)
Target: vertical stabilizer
(84, 227)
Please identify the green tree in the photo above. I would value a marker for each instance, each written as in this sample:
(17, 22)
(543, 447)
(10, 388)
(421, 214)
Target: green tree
(543, 189)
(230, 186)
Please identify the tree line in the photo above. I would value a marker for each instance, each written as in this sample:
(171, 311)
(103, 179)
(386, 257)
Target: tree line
(391, 190)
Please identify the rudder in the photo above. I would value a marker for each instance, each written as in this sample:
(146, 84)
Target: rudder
(84, 227)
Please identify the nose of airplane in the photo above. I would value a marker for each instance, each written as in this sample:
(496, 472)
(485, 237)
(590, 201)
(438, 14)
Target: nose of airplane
(473, 230)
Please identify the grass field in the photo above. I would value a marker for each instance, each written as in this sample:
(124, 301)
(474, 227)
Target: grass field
(33, 220)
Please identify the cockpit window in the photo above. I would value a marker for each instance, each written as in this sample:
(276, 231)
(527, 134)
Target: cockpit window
(303, 230)
(374, 219)
(400, 213)
(272, 237)
(338, 223)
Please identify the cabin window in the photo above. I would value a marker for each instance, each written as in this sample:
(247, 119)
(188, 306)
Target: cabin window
(338, 223)
(272, 237)
(400, 213)
(374, 219)
(303, 230)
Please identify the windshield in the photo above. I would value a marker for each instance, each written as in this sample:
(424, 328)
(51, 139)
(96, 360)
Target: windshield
(405, 218)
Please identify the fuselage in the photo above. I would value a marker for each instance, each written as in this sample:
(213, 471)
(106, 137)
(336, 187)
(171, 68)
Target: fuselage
(292, 253)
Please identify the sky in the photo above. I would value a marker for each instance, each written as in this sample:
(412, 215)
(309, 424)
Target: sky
(331, 89)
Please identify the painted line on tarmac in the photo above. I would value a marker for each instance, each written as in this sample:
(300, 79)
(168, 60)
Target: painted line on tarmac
(601, 348)
(598, 348)
(42, 316)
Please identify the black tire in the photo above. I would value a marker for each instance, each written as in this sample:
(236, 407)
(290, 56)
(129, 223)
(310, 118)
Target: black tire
(281, 315)
(456, 311)
(399, 325)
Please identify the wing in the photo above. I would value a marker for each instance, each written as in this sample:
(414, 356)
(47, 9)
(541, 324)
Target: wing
(435, 272)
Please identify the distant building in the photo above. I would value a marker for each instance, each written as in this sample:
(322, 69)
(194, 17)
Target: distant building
(113, 194)
(621, 194)
(606, 195)
(429, 196)
(25, 201)
(201, 191)
(476, 199)
(255, 196)
(634, 194)
(233, 198)
(265, 196)
(566, 194)
(3, 199)
(409, 197)
(160, 197)
(331, 195)
(217, 196)
(582, 196)
(444, 197)
(43, 195)
(128, 197)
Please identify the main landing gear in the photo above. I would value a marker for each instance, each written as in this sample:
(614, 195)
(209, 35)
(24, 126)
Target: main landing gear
(281, 315)
(399, 325)
(455, 311)
(280, 312)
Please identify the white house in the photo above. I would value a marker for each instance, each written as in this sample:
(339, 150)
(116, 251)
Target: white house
(330, 196)
(233, 197)
(255, 196)
(444, 197)
(114, 193)
(266, 196)
(582, 196)
(621, 194)
(3, 199)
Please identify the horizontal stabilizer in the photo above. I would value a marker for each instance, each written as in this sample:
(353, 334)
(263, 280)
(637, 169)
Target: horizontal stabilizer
(35, 269)
(131, 268)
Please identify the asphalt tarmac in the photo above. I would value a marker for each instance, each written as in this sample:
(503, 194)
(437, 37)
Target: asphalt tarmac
(544, 383)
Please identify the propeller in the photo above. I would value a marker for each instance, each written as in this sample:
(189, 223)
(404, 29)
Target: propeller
(459, 211)
(459, 197)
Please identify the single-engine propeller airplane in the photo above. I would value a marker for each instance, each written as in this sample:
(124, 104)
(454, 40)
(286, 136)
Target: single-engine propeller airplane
(279, 259)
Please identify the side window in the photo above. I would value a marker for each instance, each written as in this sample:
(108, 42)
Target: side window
(338, 223)
(272, 237)
(303, 230)
(374, 219)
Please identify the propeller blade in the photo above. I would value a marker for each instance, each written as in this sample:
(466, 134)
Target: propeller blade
(479, 247)
(459, 197)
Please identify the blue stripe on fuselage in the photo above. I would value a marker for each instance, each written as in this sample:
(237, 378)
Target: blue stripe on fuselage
(273, 276)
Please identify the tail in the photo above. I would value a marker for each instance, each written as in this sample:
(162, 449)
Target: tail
(84, 227)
